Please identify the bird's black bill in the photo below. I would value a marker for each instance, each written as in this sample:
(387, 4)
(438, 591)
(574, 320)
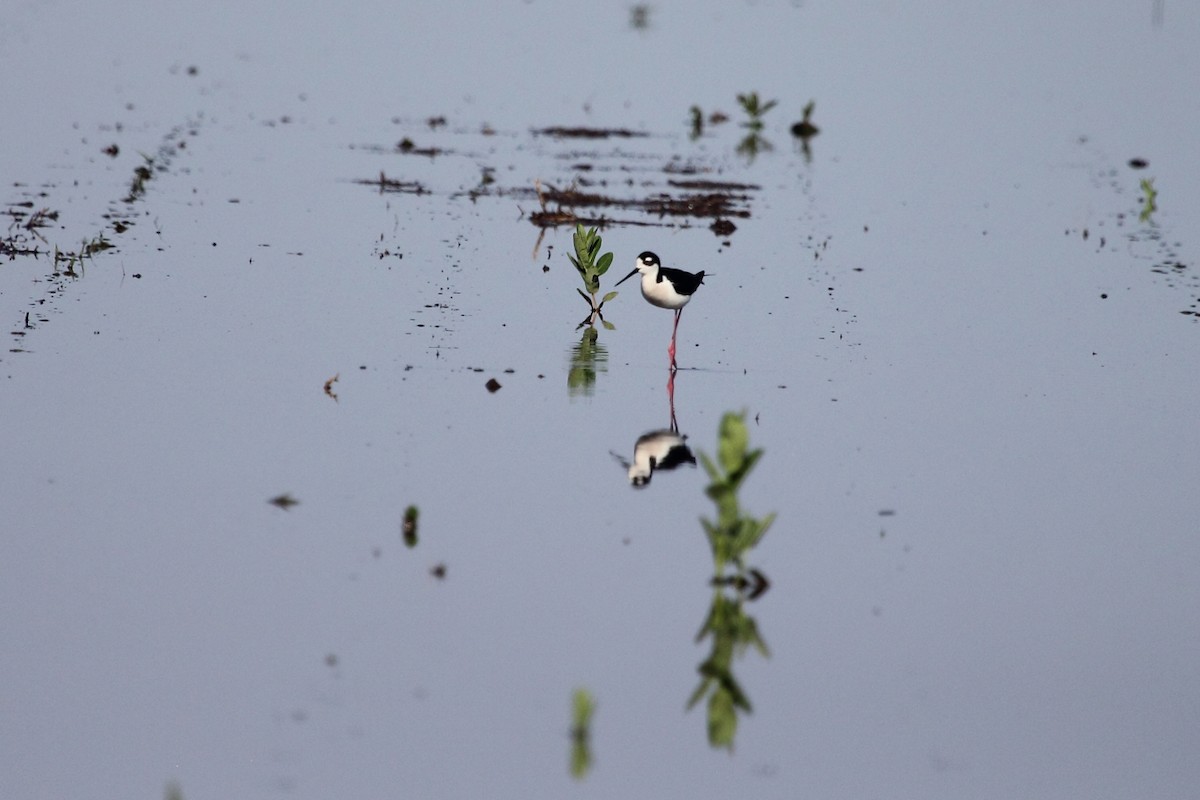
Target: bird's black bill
(627, 277)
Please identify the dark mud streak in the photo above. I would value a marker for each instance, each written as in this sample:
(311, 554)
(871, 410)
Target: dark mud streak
(674, 193)
(589, 133)
(24, 239)
(388, 185)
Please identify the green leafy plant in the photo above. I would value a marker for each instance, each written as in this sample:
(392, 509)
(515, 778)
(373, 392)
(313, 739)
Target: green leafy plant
(1149, 200)
(733, 532)
(408, 528)
(754, 143)
(88, 249)
(731, 536)
(583, 706)
(805, 129)
(755, 109)
(696, 122)
(590, 263)
(732, 631)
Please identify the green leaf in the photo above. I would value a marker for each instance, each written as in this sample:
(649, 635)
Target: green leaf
(582, 708)
(763, 524)
(609, 296)
(699, 693)
(608, 326)
(722, 720)
(604, 262)
(409, 527)
(755, 640)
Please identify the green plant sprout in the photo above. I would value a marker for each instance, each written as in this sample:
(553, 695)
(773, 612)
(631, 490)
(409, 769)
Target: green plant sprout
(96, 245)
(805, 129)
(732, 535)
(754, 143)
(754, 110)
(696, 122)
(1149, 200)
(591, 264)
(583, 706)
(408, 528)
(87, 249)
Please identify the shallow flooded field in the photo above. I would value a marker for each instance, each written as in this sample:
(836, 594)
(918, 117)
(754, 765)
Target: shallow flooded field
(317, 475)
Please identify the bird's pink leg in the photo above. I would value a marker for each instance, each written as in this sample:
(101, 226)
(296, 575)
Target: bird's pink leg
(674, 330)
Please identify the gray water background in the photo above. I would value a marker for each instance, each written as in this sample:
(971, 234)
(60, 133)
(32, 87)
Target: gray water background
(963, 353)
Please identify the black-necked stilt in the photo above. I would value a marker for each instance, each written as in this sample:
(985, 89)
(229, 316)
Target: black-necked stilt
(666, 288)
(656, 450)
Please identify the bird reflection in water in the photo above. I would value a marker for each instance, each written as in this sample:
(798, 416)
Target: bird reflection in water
(662, 449)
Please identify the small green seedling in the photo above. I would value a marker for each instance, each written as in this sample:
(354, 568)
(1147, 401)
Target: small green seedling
(805, 129)
(696, 121)
(583, 706)
(591, 264)
(755, 109)
(1149, 200)
(733, 533)
(408, 528)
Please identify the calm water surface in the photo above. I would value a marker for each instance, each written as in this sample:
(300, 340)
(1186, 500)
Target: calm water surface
(972, 367)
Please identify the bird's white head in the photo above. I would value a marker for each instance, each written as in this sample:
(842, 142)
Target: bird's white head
(647, 262)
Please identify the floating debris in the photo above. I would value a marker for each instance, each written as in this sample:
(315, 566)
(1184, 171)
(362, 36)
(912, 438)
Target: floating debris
(284, 501)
